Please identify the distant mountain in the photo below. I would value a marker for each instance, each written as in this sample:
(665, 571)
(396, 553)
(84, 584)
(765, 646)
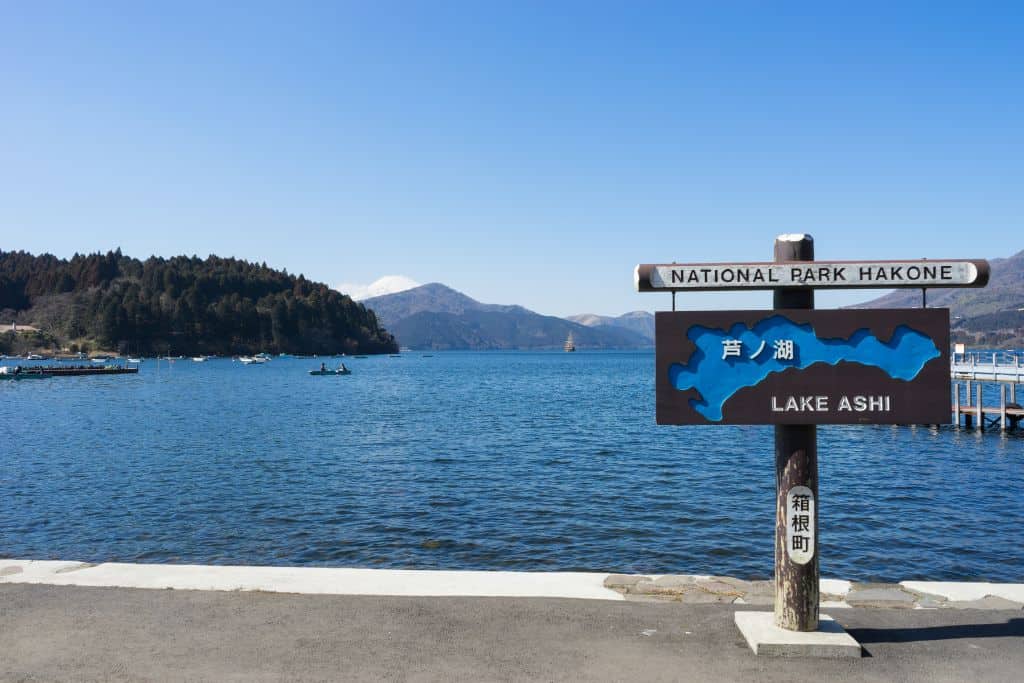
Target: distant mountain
(438, 317)
(988, 316)
(431, 298)
(640, 322)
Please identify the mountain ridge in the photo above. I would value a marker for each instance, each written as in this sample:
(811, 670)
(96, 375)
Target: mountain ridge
(437, 317)
(640, 322)
(984, 316)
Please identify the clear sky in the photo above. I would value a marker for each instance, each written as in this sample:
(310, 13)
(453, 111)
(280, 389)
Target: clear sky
(522, 153)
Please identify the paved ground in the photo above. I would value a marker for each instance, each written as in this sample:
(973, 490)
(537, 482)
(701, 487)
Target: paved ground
(85, 633)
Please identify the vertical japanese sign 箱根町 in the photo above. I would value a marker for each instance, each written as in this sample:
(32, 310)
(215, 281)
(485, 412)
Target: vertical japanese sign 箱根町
(800, 524)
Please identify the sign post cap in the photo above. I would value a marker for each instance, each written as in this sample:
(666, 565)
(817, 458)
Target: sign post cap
(794, 237)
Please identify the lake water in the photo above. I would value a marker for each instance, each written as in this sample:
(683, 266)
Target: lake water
(522, 461)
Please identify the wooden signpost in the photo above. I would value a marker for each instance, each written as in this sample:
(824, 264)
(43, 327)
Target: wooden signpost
(795, 367)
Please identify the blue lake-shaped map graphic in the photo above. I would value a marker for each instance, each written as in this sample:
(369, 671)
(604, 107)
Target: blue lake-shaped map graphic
(717, 378)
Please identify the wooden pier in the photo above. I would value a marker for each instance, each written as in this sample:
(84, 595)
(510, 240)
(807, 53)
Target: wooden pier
(79, 370)
(970, 372)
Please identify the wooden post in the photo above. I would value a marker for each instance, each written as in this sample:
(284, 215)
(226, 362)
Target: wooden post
(956, 404)
(1002, 407)
(796, 472)
(980, 414)
(968, 418)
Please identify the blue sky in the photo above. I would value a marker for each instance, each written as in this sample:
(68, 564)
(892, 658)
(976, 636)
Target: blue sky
(531, 153)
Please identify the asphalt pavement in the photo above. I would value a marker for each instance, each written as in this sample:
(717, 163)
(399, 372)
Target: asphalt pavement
(56, 633)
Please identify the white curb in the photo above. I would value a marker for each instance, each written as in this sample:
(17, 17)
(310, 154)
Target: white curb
(313, 580)
(965, 592)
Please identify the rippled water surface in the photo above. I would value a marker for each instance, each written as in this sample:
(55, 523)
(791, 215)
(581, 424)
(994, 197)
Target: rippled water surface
(526, 461)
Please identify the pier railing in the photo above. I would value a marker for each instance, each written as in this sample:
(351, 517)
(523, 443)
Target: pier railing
(988, 366)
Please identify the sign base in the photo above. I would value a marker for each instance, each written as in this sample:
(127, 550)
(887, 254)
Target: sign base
(767, 639)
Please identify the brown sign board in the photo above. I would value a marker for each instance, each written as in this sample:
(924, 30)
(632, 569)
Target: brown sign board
(803, 366)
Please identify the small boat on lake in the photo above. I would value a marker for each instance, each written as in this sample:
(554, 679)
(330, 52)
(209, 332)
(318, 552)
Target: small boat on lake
(324, 370)
(199, 359)
(570, 344)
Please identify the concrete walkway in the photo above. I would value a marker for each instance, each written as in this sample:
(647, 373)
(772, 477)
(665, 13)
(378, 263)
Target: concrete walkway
(52, 633)
(62, 620)
(687, 588)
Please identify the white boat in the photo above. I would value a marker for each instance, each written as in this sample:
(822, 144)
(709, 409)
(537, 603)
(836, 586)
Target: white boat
(135, 360)
(251, 360)
(199, 359)
(570, 344)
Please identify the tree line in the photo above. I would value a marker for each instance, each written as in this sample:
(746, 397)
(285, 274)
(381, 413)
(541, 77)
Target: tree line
(182, 305)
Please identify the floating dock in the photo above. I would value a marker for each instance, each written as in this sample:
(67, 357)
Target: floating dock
(79, 370)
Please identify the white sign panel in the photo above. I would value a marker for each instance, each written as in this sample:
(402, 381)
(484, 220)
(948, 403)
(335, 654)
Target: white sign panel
(800, 524)
(817, 274)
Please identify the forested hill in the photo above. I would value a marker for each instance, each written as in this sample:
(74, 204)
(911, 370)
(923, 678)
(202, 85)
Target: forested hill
(180, 305)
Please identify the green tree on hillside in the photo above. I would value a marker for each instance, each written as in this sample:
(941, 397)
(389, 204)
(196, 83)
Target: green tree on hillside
(190, 305)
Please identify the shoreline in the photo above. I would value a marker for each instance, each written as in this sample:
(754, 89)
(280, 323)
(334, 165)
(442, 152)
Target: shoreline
(677, 588)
